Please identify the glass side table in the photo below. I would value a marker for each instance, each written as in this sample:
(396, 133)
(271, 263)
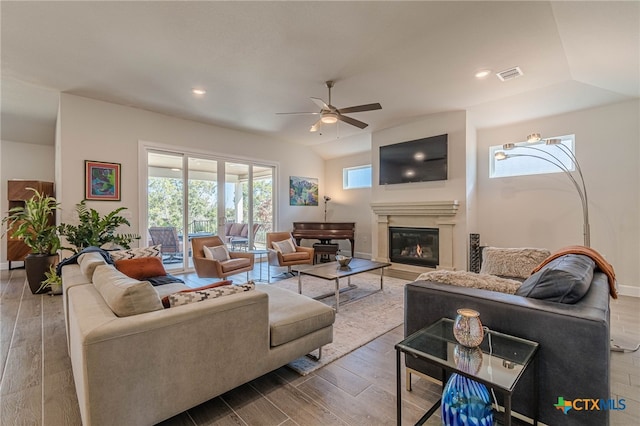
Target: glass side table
(260, 253)
(504, 359)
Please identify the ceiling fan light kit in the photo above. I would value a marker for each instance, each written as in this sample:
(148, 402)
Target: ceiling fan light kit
(329, 114)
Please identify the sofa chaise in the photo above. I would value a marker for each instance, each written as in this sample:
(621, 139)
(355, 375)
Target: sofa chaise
(142, 369)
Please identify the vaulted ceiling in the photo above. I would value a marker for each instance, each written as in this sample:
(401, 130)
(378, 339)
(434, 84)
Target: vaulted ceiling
(258, 58)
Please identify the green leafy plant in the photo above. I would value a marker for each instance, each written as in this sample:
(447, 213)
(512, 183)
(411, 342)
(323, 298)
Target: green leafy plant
(96, 230)
(52, 280)
(32, 224)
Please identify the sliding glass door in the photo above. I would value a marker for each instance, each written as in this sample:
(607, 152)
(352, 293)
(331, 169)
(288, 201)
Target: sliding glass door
(191, 196)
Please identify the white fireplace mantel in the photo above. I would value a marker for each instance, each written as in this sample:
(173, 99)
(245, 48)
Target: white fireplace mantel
(436, 214)
(420, 208)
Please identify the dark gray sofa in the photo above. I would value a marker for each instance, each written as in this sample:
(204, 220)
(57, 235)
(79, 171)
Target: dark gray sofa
(574, 342)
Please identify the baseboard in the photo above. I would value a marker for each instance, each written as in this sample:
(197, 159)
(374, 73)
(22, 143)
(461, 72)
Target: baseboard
(628, 290)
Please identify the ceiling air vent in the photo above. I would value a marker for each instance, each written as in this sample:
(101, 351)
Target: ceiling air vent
(509, 74)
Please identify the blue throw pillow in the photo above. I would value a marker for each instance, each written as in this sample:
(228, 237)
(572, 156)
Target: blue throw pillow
(563, 280)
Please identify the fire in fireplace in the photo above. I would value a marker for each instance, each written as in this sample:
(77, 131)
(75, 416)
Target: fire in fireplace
(414, 246)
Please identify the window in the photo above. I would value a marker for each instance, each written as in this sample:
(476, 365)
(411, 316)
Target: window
(532, 158)
(356, 177)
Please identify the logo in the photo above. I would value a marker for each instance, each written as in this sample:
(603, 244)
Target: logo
(589, 404)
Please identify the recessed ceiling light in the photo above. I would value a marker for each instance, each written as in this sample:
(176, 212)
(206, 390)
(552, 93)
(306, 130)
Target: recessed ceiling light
(198, 91)
(483, 73)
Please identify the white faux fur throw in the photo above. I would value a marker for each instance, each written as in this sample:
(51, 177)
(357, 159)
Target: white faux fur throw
(473, 280)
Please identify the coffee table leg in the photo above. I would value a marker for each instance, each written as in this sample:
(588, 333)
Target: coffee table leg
(337, 294)
(299, 283)
(381, 279)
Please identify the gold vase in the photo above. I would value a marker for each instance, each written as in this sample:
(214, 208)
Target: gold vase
(467, 328)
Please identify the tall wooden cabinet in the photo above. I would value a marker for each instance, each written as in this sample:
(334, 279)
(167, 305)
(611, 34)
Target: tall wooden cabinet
(17, 193)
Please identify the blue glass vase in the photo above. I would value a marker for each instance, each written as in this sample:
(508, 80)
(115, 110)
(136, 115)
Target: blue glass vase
(466, 402)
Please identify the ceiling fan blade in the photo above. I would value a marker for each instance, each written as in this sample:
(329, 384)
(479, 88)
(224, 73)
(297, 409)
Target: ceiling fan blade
(360, 108)
(352, 121)
(316, 126)
(297, 113)
(320, 103)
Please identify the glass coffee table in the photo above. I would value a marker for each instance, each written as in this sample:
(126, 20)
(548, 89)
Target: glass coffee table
(333, 271)
(503, 360)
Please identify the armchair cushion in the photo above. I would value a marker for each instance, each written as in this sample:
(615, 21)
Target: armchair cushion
(285, 246)
(298, 255)
(219, 253)
(563, 280)
(233, 264)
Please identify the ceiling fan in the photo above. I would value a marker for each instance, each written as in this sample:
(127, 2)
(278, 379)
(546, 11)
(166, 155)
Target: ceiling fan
(329, 114)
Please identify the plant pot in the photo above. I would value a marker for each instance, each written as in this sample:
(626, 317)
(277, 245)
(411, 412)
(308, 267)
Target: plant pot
(36, 265)
(56, 288)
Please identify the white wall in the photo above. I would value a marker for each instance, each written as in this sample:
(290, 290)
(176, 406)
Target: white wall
(22, 161)
(545, 211)
(350, 205)
(455, 188)
(101, 131)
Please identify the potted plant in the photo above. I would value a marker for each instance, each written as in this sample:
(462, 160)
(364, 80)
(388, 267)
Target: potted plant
(52, 281)
(96, 230)
(33, 224)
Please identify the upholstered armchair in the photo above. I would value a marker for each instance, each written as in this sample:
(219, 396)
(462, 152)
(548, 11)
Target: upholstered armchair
(284, 257)
(218, 262)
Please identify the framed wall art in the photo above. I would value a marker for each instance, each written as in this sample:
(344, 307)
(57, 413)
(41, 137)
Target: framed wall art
(101, 181)
(303, 191)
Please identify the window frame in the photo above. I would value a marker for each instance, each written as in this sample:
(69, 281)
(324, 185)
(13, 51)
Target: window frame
(345, 176)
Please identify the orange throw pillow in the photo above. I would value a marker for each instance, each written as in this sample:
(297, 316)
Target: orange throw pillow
(165, 300)
(141, 268)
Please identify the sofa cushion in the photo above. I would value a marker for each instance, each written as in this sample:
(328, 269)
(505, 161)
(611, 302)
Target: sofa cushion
(219, 253)
(187, 297)
(292, 315)
(167, 304)
(233, 264)
(472, 280)
(564, 280)
(511, 262)
(285, 246)
(124, 295)
(89, 262)
(141, 268)
(151, 251)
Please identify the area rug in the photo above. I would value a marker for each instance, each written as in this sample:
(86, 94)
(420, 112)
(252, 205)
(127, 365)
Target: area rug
(365, 313)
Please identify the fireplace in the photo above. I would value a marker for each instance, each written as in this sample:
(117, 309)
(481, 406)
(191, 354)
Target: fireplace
(414, 246)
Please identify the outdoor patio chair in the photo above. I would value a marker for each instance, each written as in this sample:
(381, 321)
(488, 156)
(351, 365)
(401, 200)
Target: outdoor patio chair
(167, 236)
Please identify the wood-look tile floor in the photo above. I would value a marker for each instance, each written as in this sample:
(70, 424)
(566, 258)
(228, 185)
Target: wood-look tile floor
(37, 386)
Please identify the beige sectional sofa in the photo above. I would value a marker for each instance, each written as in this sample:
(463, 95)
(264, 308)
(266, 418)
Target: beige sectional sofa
(142, 369)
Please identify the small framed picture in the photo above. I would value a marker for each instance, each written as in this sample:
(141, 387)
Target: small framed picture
(101, 181)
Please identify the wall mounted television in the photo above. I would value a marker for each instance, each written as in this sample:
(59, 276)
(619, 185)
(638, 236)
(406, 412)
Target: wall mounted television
(419, 160)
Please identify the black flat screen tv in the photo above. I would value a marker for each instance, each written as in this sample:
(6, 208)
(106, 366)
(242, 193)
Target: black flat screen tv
(420, 160)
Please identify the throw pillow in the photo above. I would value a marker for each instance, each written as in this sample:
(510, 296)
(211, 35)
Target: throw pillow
(125, 296)
(167, 304)
(141, 268)
(219, 253)
(563, 280)
(472, 280)
(285, 246)
(511, 262)
(184, 298)
(151, 251)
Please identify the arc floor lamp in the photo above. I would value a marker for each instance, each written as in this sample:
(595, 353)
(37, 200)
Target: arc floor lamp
(535, 139)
